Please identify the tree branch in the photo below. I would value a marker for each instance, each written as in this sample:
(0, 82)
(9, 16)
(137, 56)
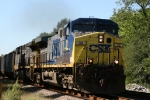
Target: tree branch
(143, 7)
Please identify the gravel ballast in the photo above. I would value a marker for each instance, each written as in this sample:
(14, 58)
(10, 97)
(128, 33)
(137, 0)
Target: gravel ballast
(47, 94)
(136, 87)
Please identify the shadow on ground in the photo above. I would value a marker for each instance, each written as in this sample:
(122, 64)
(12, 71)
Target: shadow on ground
(53, 96)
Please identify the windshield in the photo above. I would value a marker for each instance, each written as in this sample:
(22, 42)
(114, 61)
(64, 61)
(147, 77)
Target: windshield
(106, 28)
(91, 28)
(82, 28)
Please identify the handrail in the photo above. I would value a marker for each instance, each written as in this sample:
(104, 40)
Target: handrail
(78, 55)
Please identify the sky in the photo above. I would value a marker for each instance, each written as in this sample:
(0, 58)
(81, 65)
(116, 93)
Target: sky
(23, 20)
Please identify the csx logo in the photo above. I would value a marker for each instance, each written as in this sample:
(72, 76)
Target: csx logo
(99, 48)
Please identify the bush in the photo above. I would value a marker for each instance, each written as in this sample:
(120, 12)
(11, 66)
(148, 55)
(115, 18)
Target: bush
(13, 93)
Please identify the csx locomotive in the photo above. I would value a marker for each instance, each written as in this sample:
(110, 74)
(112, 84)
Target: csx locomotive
(85, 55)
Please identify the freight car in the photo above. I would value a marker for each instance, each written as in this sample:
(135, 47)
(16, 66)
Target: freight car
(0, 64)
(3, 64)
(9, 63)
(85, 55)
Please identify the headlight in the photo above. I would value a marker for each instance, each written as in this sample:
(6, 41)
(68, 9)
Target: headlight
(101, 38)
(116, 61)
(84, 43)
(90, 60)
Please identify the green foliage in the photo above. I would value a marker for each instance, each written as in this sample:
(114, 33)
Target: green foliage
(134, 29)
(13, 93)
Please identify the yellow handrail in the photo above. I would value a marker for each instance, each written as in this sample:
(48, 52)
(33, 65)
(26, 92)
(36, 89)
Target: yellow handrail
(78, 55)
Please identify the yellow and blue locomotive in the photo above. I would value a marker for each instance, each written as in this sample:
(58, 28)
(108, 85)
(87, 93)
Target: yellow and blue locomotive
(85, 55)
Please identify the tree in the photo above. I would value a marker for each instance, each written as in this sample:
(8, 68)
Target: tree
(143, 4)
(134, 29)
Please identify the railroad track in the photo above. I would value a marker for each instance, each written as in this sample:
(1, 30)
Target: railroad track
(77, 94)
(81, 95)
(134, 95)
(127, 95)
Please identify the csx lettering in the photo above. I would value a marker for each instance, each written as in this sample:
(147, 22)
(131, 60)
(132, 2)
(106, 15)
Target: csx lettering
(99, 48)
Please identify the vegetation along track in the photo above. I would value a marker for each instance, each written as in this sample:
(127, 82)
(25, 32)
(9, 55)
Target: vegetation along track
(35, 92)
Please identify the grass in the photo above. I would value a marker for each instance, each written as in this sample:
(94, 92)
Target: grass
(13, 93)
(12, 90)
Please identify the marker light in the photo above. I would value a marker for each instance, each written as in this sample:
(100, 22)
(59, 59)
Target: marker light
(84, 43)
(80, 42)
(121, 45)
(77, 43)
(118, 45)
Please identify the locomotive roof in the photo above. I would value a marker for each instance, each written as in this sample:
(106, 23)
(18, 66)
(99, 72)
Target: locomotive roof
(30, 43)
(42, 39)
(94, 21)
